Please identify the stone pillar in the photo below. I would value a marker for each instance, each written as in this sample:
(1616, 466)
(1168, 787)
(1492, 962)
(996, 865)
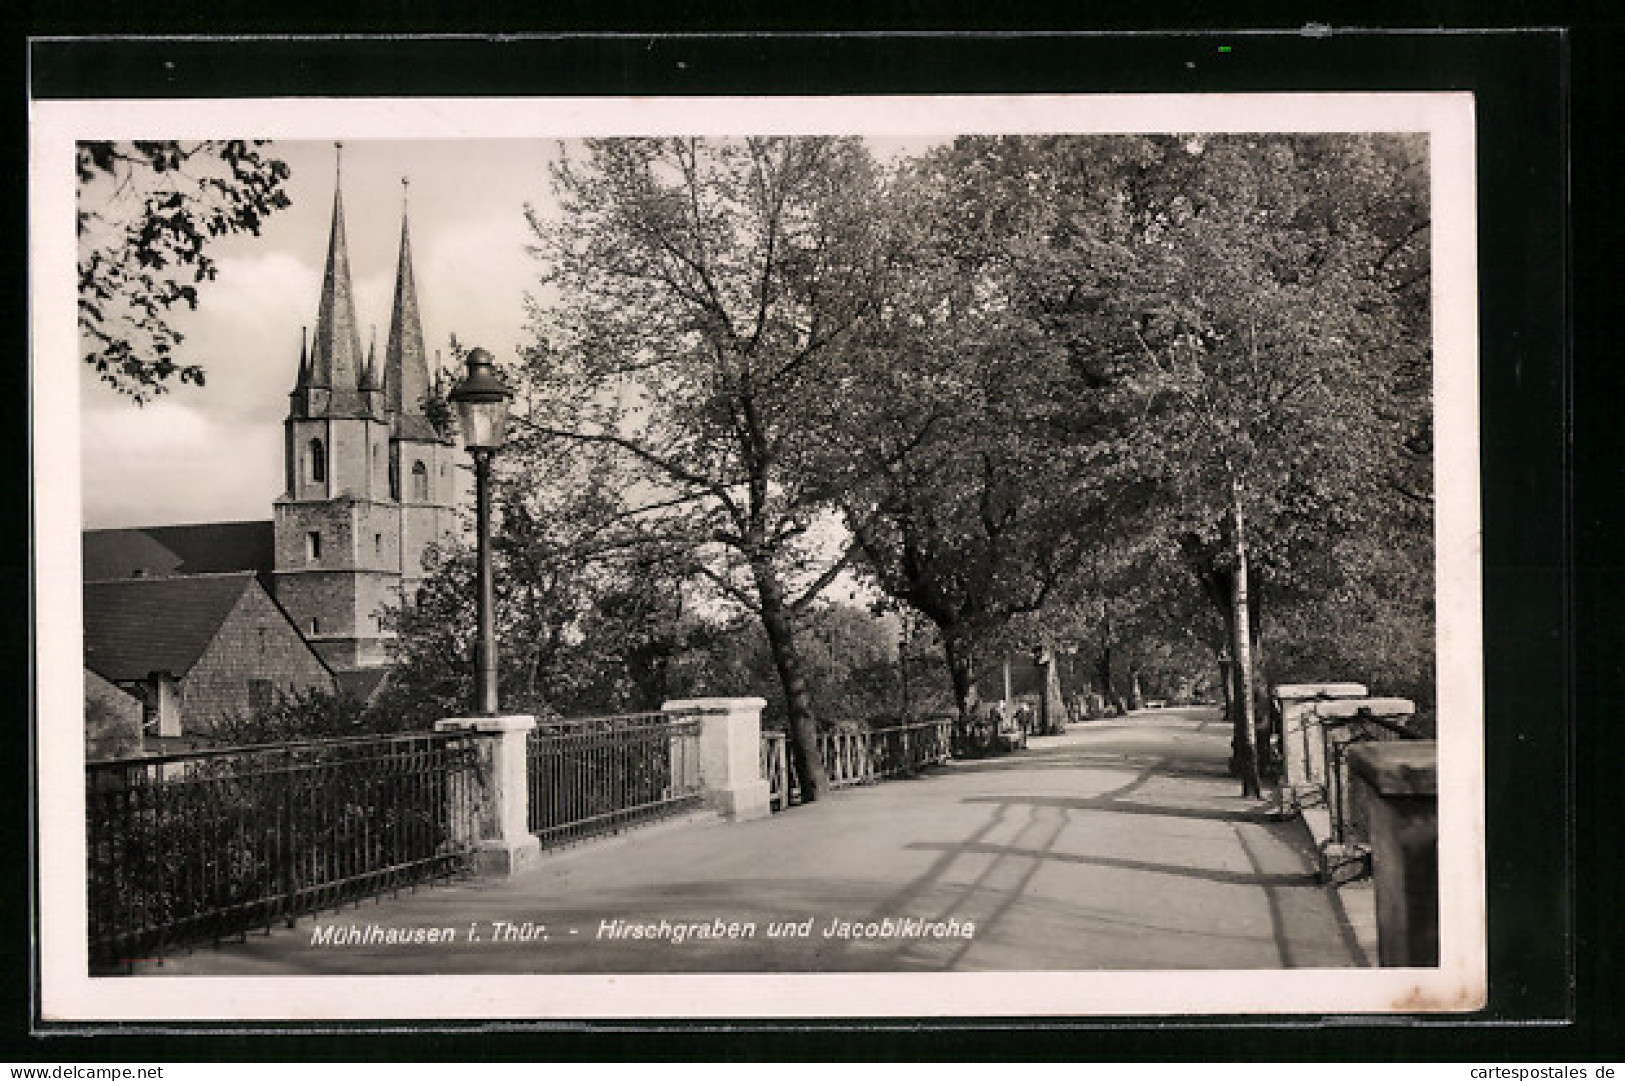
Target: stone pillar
(503, 844)
(1397, 787)
(730, 754)
(1303, 752)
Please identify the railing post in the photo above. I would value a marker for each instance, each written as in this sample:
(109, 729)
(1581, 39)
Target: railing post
(503, 843)
(1397, 786)
(730, 754)
(1302, 752)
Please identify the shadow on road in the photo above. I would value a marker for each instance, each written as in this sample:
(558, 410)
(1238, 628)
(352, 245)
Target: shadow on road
(1113, 804)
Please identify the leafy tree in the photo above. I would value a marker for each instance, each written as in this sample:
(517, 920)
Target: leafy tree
(147, 214)
(1244, 322)
(694, 293)
(964, 413)
(1277, 358)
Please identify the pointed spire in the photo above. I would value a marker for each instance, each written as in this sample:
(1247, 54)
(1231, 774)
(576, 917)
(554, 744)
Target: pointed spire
(304, 359)
(406, 369)
(335, 359)
(369, 374)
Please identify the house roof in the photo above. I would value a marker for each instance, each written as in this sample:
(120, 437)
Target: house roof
(166, 551)
(361, 683)
(137, 626)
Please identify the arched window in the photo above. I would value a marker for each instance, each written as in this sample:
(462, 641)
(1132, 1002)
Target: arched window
(394, 478)
(420, 482)
(318, 461)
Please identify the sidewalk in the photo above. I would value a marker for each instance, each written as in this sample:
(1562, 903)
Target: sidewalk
(1122, 844)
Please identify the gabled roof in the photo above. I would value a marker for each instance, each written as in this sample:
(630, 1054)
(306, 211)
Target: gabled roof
(137, 626)
(362, 684)
(166, 551)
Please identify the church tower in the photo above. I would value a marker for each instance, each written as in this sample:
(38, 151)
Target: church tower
(361, 461)
(422, 469)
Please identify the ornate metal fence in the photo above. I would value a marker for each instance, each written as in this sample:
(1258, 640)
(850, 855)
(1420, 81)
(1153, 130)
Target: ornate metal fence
(596, 775)
(857, 756)
(195, 847)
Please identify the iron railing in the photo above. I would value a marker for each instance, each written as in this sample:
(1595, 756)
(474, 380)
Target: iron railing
(776, 769)
(1339, 735)
(195, 847)
(597, 775)
(857, 756)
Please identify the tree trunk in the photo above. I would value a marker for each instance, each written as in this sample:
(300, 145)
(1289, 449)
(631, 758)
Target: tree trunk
(962, 671)
(1246, 742)
(798, 702)
(1103, 671)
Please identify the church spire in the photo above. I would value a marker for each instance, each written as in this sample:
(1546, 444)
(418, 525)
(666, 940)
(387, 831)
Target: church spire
(304, 359)
(335, 358)
(406, 370)
(369, 374)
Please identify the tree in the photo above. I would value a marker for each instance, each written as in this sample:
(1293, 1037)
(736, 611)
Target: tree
(694, 295)
(1245, 325)
(965, 412)
(1283, 402)
(147, 214)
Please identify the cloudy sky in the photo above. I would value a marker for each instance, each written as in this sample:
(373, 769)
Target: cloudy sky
(215, 453)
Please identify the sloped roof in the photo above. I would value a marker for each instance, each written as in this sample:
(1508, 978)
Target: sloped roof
(361, 683)
(166, 551)
(137, 626)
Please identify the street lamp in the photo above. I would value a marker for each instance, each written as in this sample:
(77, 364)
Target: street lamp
(482, 413)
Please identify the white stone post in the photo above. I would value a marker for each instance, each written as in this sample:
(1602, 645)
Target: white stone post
(504, 845)
(730, 754)
(1303, 750)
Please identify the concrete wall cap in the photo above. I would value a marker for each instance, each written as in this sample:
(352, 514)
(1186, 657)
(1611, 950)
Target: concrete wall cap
(512, 722)
(712, 705)
(1376, 707)
(1401, 768)
(1320, 690)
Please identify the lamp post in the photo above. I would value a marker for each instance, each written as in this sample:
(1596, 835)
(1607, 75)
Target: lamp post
(482, 413)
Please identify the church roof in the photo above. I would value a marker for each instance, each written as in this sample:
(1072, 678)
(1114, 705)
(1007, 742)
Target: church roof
(336, 360)
(406, 364)
(137, 626)
(163, 551)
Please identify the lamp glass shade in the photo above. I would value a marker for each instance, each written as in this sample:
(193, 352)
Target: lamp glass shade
(482, 404)
(484, 424)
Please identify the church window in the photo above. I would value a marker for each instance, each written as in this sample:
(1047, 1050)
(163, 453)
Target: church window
(420, 482)
(315, 625)
(313, 546)
(318, 461)
(394, 478)
(378, 544)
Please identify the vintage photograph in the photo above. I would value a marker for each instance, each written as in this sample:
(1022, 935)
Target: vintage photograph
(858, 557)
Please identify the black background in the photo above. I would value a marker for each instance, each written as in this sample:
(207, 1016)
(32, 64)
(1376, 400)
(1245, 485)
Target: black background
(1550, 553)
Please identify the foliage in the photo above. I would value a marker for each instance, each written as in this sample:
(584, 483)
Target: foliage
(147, 214)
(695, 293)
(978, 499)
(306, 714)
(1246, 320)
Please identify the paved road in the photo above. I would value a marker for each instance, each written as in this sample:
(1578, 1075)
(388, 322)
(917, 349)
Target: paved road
(1121, 844)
